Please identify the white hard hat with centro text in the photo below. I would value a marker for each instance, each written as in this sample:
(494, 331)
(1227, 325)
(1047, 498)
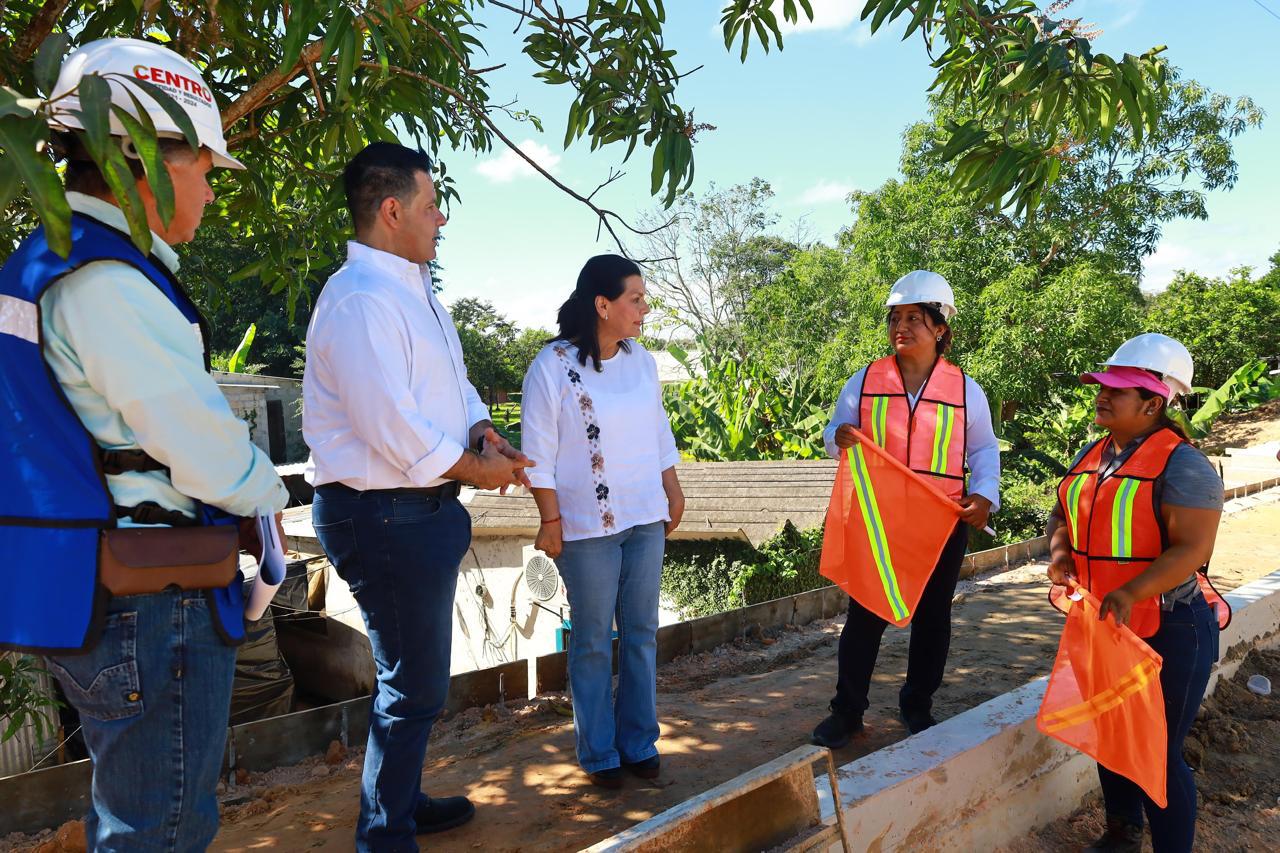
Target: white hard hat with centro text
(923, 287)
(116, 58)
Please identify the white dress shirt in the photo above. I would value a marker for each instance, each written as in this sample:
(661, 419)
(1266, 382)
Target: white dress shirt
(635, 440)
(982, 448)
(386, 399)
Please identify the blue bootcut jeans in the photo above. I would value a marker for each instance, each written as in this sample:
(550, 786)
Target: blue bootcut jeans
(153, 696)
(1188, 642)
(608, 578)
(399, 552)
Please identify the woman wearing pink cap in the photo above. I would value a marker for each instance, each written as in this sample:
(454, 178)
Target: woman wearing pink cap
(1136, 520)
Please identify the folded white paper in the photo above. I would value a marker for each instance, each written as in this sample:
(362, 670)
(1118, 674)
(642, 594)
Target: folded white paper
(270, 569)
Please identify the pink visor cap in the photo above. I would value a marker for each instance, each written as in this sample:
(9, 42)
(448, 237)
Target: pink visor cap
(1127, 377)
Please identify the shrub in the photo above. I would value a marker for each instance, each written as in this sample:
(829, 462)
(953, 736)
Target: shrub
(701, 578)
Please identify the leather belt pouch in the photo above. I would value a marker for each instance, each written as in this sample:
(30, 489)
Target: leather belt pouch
(134, 561)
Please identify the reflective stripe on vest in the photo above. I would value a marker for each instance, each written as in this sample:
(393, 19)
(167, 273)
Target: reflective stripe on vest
(870, 510)
(930, 439)
(1115, 527)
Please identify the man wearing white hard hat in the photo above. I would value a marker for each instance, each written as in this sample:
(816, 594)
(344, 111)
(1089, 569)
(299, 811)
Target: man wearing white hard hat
(1135, 524)
(131, 471)
(927, 413)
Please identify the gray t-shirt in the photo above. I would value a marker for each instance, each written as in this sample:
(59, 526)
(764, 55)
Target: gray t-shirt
(1190, 480)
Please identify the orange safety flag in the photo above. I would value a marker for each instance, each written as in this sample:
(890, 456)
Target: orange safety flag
(1104, 697)
(886, 528)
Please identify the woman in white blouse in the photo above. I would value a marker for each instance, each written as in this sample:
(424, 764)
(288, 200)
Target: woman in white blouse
(608, 495)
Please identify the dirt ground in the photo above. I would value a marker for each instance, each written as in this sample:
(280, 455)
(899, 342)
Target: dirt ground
(1259, 426)
(722, 712)
(1234, 748)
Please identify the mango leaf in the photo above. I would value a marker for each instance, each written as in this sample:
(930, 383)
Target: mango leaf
(170, 106)
(49, 61)
(19, 138)
(143, 135)
(13, 104)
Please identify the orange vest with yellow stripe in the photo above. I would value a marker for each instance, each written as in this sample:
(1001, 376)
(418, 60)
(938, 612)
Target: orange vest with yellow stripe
(1115, 524)
(929, 440)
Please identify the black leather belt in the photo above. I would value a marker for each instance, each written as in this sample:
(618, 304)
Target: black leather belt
(450, 489)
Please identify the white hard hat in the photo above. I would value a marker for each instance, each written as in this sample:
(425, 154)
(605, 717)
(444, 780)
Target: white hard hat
(1160, 353)
(922, 286)
(118, 57)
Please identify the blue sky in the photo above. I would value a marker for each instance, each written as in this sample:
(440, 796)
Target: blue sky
(820, 118)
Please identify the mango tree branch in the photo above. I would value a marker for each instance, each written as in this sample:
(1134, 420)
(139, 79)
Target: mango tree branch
(602, 215)
(41, 26)
(270, 82)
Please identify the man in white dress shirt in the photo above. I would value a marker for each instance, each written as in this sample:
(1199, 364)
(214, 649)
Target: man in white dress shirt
(394, 427)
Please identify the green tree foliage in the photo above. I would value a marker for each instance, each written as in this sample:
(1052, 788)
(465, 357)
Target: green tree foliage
(231, 301)
(497, 353)
(735, 409)
(1039, 335)
(303, 86)
(710, 254)
(701, 578)
(1031, 83)
(23, 698)
(1223, 321)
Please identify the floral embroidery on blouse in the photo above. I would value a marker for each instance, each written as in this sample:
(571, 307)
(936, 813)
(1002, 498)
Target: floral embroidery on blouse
(587, 409)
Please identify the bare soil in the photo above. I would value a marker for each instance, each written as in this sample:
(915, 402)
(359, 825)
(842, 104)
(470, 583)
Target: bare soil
(722, 713)
(1258, 426)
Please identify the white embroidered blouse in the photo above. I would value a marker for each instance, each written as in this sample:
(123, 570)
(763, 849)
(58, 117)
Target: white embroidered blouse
(601, 440)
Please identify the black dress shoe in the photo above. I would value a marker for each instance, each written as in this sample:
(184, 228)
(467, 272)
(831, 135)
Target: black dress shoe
(647, 769)
(835, 731)
(440, 813)
(610, 778)
(1120, 837)
(918, 721)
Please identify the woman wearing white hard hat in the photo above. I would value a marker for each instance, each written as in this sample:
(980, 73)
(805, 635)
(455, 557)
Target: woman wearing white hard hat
(1136, 520)
(126, 471)
(925, 411)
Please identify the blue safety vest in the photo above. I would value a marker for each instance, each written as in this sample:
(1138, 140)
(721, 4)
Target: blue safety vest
(54, 500)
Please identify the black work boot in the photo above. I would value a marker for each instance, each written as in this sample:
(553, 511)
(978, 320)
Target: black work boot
(835, 731)
(1120, 837)
(917, 720)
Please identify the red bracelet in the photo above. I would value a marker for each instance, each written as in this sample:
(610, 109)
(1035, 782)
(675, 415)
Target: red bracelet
(550, 521)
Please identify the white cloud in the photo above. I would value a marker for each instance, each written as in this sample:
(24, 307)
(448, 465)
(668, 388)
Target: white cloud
(508, 166)
(1206, 256)
(827, 15)
(825, 192)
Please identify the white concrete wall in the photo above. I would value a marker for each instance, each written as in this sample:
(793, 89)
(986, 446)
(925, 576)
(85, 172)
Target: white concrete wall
(249, 404)
(495, 567)
(987, 776)
(283, 388)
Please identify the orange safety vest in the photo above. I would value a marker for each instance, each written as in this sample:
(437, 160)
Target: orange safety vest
(930, 439)
(1116, 528)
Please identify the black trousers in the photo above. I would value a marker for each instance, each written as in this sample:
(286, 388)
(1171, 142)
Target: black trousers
(930, 640)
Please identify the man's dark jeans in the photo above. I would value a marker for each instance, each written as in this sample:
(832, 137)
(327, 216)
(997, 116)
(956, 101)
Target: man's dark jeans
(399, 552)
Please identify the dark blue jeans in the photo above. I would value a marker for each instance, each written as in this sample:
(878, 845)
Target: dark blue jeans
(153, 698)
(1188, 642)
(399, 552)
